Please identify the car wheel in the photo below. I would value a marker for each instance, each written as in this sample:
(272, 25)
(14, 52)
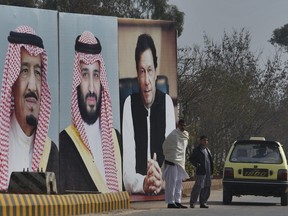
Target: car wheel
(227, 197)
(284, 199)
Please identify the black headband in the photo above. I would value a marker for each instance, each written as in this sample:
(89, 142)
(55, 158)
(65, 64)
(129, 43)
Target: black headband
(88, 48)
(25, 38)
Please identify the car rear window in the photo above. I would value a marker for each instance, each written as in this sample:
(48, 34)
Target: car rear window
(256, 153)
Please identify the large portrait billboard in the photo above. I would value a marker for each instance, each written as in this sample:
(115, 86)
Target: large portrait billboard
(147, 68)
(90, 157)
(29, 91)
(91, 98)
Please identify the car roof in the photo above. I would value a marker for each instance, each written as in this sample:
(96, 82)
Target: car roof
(258, 138)
(266, 142)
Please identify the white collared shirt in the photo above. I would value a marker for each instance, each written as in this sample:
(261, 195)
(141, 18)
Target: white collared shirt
(134, 181)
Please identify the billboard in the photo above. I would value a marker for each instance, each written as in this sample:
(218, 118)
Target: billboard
(147, 70)
(103, 77)
(90, 157)
(29, 91)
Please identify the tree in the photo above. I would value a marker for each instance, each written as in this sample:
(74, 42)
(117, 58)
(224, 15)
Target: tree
(160, 10)
(139, 9)
(47, 4)
(280, 37)
(225, 94)
(24, 3)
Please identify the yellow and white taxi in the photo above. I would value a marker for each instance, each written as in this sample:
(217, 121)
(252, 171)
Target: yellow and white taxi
(255, 167)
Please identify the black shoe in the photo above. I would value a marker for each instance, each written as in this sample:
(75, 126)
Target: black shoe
(204, 206)
(192, 206)
(180, 205)
(172, 205)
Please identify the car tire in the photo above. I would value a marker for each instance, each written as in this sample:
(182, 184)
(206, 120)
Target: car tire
(284, 199)
(227, 197)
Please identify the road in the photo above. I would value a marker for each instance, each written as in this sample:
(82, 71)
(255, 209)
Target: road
(241, 206)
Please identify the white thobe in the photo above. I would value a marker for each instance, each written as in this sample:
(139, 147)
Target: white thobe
(20, 148)
(93, 133)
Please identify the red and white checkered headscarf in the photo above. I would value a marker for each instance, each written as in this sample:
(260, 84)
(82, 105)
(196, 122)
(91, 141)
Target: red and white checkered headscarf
(88, 38)
(11, 72)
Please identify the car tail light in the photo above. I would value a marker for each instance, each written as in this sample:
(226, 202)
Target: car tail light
(228, 172)
(282, 175)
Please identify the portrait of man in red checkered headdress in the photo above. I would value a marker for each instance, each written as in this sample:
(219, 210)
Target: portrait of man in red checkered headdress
(90, 158)
(25, 107)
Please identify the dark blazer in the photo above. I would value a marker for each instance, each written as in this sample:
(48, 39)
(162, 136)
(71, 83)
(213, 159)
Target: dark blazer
(74, 175)
(53, 162)
(197, 159)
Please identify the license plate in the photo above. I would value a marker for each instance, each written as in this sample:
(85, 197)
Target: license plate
(255, 172)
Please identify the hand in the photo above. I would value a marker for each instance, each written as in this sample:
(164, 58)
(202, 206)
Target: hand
(153, 179)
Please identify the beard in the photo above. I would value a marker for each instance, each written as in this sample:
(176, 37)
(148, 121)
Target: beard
(31, 120)
(88, 116)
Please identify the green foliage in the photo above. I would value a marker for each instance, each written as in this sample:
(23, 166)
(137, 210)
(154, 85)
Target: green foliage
(190, 169)
(280, 37)
(47, 4)
(161, 10)
(23, 3)
(140, 9)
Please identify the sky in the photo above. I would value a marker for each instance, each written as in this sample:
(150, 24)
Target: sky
(213, 17)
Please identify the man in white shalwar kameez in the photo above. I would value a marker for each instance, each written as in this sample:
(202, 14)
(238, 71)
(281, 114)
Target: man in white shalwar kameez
(174, 150)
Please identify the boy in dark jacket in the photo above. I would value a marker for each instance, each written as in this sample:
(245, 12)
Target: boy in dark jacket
(202, 159)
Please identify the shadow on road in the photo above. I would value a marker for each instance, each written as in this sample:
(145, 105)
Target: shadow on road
(237, 203)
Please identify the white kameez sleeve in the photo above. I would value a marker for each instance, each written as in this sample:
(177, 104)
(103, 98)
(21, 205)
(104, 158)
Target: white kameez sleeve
(133, 181)
(170, 116)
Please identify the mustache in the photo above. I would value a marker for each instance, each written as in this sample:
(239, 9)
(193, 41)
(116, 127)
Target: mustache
(31, 94)
(91, 95)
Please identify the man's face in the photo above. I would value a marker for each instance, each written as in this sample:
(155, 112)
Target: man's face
(147, 77)
(27, 91)
(182, 126)
(89, 92)
(204, 141)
